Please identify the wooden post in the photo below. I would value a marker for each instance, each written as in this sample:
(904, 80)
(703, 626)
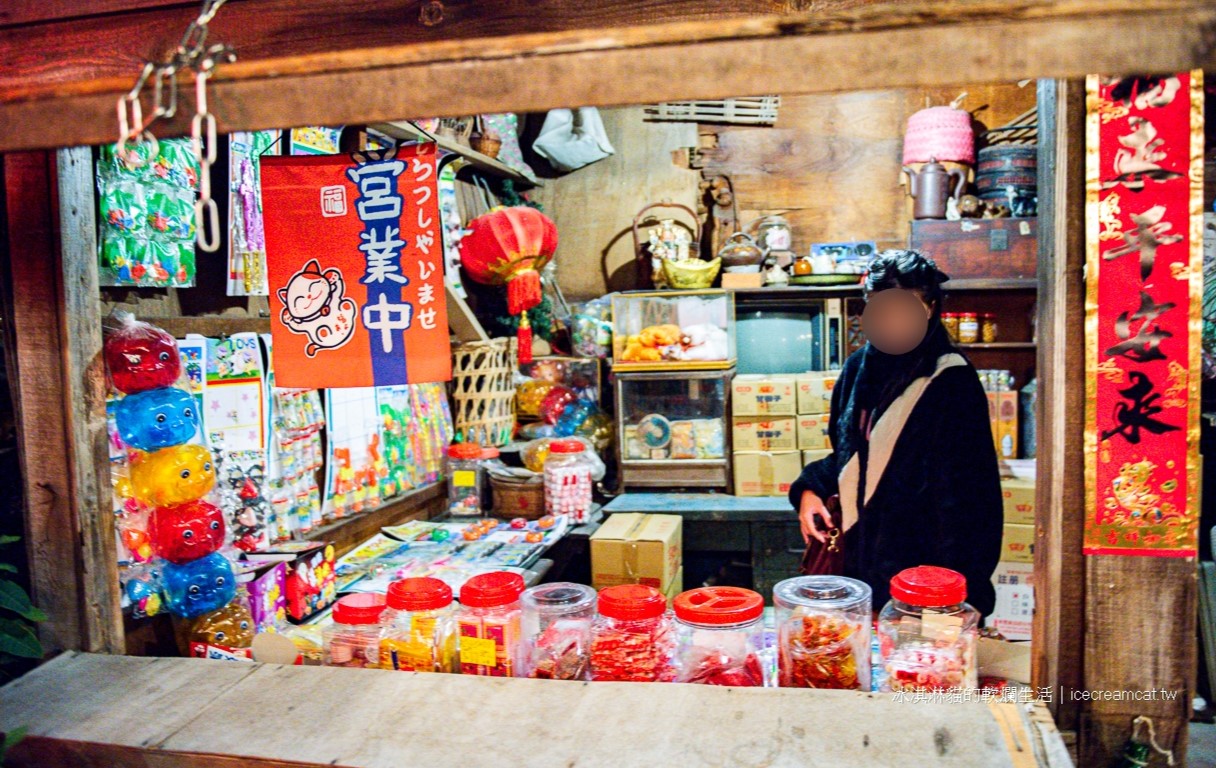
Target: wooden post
(1060, 494)
(59, 389)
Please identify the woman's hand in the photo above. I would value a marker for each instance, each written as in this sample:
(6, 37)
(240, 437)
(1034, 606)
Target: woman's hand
(811, 507)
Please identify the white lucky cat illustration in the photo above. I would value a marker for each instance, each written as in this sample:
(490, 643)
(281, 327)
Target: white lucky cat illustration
(315, 305)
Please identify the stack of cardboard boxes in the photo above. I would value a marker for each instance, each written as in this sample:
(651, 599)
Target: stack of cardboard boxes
(1014, 576)
(780, 423)
(1003, 416)
(632, 548)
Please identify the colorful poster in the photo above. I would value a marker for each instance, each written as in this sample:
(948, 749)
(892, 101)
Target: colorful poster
(1144, 294)
(315, 140)
(355, 260)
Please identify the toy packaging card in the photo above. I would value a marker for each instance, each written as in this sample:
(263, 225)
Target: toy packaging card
(310, 585)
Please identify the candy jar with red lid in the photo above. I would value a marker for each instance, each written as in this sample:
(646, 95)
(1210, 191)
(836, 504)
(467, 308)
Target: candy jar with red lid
(719, 634)
(354, 638)
(466, 480)
(488, 624)
(927, 633)
(823, 632)
(557, 622)
(568, 481)
(419, 627)
(632, 639)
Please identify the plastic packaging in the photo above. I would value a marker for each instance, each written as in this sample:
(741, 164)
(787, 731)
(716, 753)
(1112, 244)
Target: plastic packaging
(140, 356)
(157, 418)
(419, 627)
(823, 632)
(186, 532)
(488, 623)
(226, 633)
(556, 631)
(568, 481)
(632, 639)
(719, 634)
(927, 632)
(354, 638)
(468, 480)
(591, 330)
(571, 419)
(555, 402)
(199, 586)
(172, 476)
(529, 395)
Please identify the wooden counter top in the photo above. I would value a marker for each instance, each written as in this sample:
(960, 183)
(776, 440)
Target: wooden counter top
(713, 507)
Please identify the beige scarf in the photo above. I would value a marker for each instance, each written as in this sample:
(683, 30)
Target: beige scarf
(883, 436)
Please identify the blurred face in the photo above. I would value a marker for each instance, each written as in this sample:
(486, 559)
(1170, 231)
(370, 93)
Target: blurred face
(896, 320)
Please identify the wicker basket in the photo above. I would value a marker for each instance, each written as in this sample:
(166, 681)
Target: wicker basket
(514, 499)
(483, 391)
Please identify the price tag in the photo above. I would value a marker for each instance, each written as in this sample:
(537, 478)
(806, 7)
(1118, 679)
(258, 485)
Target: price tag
(483, 653)
(464, 478)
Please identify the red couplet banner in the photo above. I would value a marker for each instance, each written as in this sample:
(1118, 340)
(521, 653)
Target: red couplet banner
(355, 266)
(1144, 290)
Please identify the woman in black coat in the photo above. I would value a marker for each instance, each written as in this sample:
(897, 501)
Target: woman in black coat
(910, 427)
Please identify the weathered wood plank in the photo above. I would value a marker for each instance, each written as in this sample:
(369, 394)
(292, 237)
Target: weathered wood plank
(39, 397)
(879, 46)
(1059, 615)
(376, 719)
(84, 382)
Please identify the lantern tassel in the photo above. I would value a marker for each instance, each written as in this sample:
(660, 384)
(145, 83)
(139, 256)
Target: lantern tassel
(524, 338)
(523, 291)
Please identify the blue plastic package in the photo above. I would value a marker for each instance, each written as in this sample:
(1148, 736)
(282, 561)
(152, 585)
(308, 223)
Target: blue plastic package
(199, 586)
(156, 418)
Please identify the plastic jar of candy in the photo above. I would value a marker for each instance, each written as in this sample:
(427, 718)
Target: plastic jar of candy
(419, 627)
(968, 328)
(466, 480)
(823, 632)
(353, 640)
(719, 634)
(950, 323)
(632, 639)
(988, 327)
(927, 633)
(556, 632)
(488, 624)
(568, 481)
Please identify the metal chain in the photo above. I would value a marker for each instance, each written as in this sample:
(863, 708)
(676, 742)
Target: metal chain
(192, 53)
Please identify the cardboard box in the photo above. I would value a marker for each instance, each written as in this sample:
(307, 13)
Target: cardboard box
(676, 587)
(266, 585)
(742, 280)
(813, 433)
(311, 582)
(1003, 416)
(1019, 501)
(809, 457)
(759, 473)
(764, 434)
(815, 391)
(1014, 612)
(1017, 543)
(757, 395)
(634, 548)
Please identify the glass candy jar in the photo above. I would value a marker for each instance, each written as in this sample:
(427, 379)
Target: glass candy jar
(823, 632)
(927, 633)
(632, 638)
(419, 628)
(556, 630)
(719, 634)
(466, 480)
(488, 624)
(353, 640)
(568, 481)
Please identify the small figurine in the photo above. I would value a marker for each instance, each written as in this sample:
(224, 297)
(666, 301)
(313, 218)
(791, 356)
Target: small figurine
(172, 475)
(156, 418)
(140, 357)
(199, 586)
(186, 532)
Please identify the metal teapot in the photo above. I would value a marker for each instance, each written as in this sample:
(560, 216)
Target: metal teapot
(932, 187)
(741, 254)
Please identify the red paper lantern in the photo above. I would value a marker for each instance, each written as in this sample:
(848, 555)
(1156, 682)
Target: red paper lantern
(510, 246)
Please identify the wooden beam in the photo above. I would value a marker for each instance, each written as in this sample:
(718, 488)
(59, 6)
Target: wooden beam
(1059, 615)
(887, 44)
(84, 385)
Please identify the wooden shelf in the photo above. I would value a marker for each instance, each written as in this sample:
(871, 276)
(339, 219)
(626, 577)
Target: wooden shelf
(1002, 345)
(349, 532)
(403, 131)
(977, 284)
(215, 326)
(855, 290)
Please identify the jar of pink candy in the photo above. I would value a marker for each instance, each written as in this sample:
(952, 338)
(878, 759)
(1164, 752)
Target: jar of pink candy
(927, 633)
(568, 481)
